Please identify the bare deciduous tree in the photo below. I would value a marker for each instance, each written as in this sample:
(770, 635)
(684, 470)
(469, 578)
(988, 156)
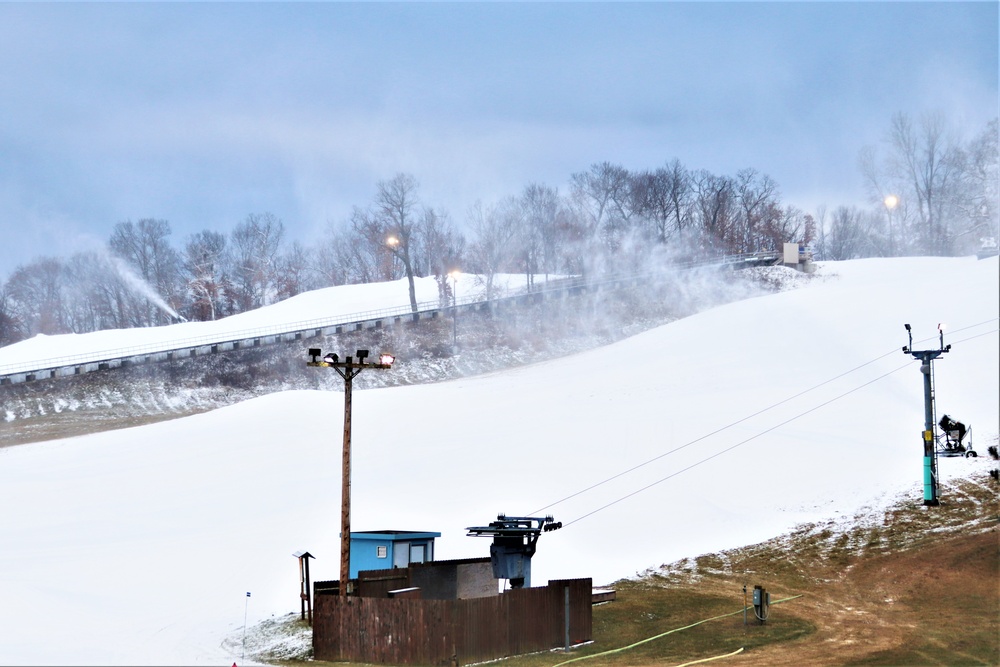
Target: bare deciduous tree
(539, 237)
(35, 297)
(853, 233)
(715, 207)
(442, 250)
(254, 249)
(979, 201)
(601, 199)
(204, 264)
(293, 269)
(665, 199)
(494, 229)
(758, 209)
(11, 328)
(392, 223)
(926, 162)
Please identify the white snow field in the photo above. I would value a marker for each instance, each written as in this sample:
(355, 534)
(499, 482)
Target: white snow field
(138, 546)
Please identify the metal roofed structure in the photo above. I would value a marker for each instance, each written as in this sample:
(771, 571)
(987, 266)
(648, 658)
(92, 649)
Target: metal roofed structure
(384, 549)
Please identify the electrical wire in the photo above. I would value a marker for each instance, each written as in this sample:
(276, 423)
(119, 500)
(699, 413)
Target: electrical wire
(755, 414)
(738, 444)
(715, 432)
(985, 333)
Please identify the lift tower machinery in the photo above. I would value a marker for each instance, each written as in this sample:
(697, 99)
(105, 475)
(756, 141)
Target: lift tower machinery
(927, 358)
(514, 540)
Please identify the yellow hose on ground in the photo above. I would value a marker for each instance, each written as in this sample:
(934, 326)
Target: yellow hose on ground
(698, 662)
(664, 634)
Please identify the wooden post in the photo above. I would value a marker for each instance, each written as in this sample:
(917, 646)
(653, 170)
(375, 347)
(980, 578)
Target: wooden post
(345, 488)
(302, 589)
(305, 586)
(566, 613)
(309, 603)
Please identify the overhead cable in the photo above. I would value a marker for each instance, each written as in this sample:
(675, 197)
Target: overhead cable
(732, 447)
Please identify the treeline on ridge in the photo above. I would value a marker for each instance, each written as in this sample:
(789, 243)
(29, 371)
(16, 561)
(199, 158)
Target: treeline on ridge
(929, 195)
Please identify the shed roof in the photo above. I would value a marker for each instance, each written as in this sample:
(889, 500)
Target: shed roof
(393, 535)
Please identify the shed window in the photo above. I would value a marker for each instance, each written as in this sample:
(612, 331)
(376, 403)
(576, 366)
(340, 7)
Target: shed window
(382, 551)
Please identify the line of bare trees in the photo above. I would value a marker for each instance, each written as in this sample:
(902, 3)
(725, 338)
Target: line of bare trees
(943, 196)
(931, 193)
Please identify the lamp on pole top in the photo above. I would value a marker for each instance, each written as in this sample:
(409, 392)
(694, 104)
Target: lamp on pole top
(891, 202)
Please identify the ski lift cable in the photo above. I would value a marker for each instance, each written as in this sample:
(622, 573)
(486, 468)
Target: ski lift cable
(788, 421)
(715, 432)
(985, 333)
(738, 444)
(748, 417)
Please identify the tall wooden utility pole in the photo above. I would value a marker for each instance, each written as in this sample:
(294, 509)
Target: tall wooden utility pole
(348, 369)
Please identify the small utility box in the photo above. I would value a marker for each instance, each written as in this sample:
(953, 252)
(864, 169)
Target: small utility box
(386, 549)
(761, 603)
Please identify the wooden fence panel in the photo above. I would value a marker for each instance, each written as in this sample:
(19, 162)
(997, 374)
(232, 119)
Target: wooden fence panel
(450, 632)
(481, 629)
(378, 583)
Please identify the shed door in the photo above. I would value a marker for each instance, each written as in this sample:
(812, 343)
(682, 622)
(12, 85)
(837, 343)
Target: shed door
(400, 554)
(418, 553)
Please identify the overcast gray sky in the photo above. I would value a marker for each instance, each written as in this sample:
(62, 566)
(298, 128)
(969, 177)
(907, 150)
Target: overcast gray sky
(203, 113)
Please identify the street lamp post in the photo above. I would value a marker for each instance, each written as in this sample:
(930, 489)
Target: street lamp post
(393, 243)
(454, 275)
(891, 202)
(348, 369)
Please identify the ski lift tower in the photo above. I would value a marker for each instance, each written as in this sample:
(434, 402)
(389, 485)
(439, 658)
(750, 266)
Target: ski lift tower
(927, 358)
(514, 540)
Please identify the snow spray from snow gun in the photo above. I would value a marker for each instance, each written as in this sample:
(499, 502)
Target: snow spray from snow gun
(141, 287)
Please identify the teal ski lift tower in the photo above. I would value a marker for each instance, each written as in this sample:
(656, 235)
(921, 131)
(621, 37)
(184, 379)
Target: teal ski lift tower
(514, 540)
(927, 358)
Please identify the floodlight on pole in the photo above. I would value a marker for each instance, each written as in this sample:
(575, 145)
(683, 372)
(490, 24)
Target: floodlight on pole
(891, 202)
(392, 242)
(348, 369)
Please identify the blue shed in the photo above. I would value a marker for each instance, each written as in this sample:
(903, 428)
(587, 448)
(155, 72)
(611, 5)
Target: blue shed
(385, 549)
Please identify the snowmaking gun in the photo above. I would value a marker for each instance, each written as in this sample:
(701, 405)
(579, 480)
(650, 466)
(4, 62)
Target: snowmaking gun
(955, 438)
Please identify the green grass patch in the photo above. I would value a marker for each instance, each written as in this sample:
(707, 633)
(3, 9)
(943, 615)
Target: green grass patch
(641, 612)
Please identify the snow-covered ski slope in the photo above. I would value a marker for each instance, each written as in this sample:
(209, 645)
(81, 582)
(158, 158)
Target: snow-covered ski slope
(347, 303)
(138, 546)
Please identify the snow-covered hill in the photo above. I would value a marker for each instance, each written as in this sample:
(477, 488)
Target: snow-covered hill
(334, 303)
(138, 546)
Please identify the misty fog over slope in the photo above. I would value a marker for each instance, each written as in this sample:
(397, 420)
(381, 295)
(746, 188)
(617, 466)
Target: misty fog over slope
(487, 341)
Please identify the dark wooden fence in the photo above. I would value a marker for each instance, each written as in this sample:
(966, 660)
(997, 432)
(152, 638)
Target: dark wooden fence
(452, 632)
(437, 580)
